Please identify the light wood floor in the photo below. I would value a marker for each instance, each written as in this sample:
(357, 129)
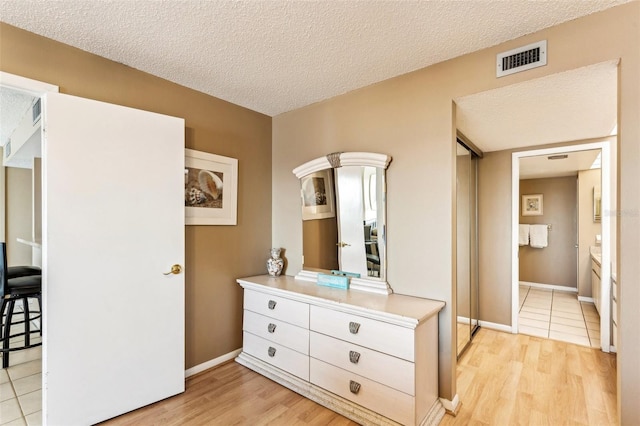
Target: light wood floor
(503, 379)
(232, 395)
(507, 379)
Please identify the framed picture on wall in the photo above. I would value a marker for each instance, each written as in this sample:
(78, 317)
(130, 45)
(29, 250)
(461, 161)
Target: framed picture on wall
(317, 195)
(532, 205)
(210, 189)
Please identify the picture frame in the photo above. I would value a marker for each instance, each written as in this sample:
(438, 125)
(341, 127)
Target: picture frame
(532, 205)
(210, 189)
(597, 204)
(317, 195)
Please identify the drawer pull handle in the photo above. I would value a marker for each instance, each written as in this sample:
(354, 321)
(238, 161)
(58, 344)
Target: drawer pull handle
(271, 328)
(272, 304)
(354, 387)
(272, 351)
(354, 357)
(354, 327)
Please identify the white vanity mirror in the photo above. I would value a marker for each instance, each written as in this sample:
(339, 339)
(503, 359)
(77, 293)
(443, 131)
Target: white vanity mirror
(343, 198)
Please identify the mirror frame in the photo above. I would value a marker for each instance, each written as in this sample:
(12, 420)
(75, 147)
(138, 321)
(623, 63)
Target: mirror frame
(334, 161)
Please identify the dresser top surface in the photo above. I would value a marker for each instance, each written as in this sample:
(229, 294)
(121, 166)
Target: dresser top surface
(409, 307)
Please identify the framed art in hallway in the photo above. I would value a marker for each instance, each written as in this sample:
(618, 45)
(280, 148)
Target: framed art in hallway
(532, 205)
(210, 189)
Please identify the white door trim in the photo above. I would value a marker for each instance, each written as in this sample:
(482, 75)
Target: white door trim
(34, 88)
(605, 314)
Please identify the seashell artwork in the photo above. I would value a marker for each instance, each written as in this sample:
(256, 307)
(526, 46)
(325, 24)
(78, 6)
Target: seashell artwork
(210, 184)
(203, 188)
(196, 196)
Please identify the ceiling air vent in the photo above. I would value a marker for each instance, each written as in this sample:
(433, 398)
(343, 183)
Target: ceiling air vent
(36, 111)
(522, 59)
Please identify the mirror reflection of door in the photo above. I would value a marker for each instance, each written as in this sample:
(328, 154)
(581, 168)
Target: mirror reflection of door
(351, 208)
(372, 186)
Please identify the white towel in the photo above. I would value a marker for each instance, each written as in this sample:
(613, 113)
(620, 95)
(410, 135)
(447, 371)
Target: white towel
(538, 236)
(523, 235)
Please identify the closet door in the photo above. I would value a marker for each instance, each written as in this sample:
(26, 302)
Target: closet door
(113, 225)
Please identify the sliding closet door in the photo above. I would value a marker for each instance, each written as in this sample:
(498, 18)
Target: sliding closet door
(467, 246)
(463, 243)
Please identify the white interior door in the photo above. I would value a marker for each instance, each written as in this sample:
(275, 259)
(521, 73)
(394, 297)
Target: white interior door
(351, 219)
(113, 223)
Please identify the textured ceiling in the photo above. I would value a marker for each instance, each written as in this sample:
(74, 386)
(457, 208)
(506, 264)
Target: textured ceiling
(276, 56)
(13, 107)
(569, 106)
(541, 167)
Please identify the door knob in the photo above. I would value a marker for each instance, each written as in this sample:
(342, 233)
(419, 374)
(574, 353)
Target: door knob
(175, 269)
(342, 244)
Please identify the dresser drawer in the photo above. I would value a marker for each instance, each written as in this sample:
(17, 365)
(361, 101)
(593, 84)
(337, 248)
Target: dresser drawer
(389, 402)
(380, 336)
(386, 369)
(277, 331)
(287, 310)
(277, 355)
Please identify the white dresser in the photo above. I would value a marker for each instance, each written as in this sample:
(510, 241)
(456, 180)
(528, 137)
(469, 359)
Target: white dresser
(372, 358)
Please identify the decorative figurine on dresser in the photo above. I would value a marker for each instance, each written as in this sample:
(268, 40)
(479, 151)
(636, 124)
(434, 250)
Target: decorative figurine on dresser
(359, 350)
(275, 263)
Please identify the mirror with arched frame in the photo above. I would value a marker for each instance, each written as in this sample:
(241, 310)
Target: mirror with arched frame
(343, 198)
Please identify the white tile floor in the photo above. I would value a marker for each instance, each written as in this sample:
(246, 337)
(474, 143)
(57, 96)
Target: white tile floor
(558, 315)
(21, 385)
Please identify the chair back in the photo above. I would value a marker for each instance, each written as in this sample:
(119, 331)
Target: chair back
(3, 269)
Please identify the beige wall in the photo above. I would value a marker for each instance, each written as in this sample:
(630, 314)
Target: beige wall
(18, 210)
(320, 239)
(215, 255)
(411, 119)
(555, 264)
(587, 228)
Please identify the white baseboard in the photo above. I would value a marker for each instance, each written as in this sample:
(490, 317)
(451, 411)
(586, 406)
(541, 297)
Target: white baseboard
(486, 324)
(211, 363)
(465, 320)
(586, 299)
(495, 326)
(451, 406)
(550, 287)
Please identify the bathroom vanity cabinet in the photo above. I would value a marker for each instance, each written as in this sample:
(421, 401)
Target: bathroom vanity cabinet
(372, 358)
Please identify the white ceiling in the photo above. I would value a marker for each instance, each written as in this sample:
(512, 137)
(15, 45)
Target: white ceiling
(276, 56)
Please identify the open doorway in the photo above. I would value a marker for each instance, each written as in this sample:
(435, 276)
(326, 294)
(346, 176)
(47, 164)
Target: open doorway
(556, 112)
(88, 227)
(560, 235)
(604, 248)
(20, 203)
